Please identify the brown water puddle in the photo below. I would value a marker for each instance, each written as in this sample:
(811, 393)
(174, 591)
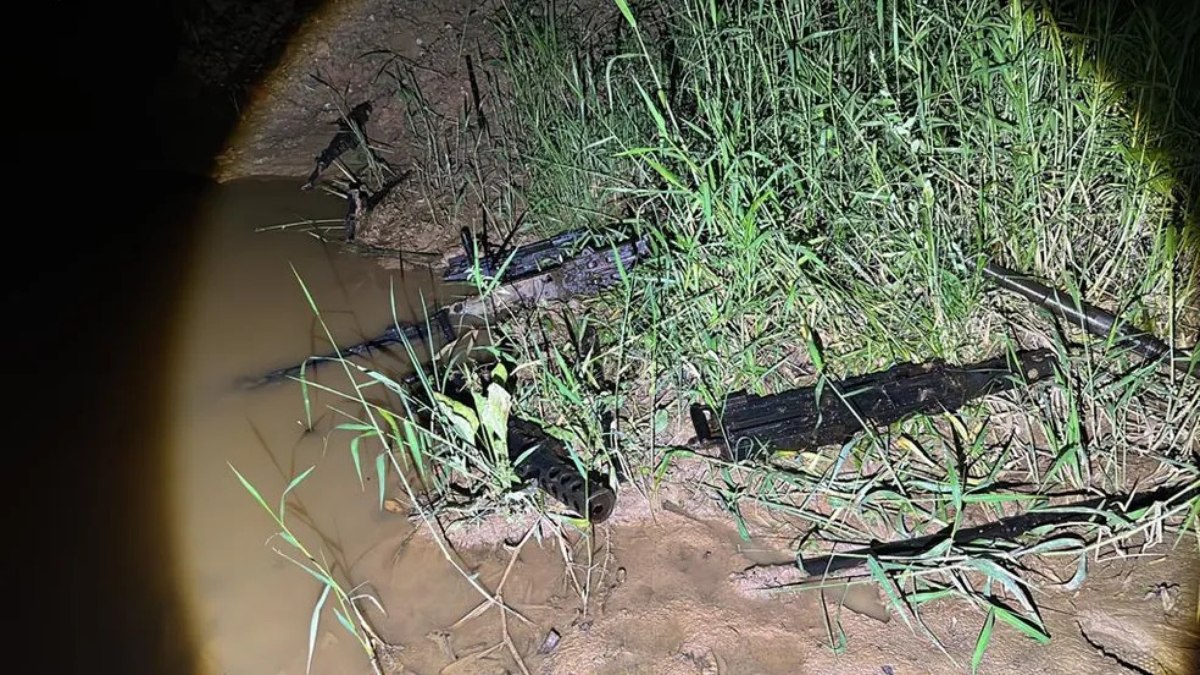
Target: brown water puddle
(251, 609)
(246, 313)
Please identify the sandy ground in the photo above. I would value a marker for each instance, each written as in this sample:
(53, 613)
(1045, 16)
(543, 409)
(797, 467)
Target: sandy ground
(678, 590)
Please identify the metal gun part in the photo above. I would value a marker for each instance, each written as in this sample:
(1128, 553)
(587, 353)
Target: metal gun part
(750, 426)
(1091, 318)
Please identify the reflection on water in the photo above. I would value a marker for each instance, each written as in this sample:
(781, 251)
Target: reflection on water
(244, 313)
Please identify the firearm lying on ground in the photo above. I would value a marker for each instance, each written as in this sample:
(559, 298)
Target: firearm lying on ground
(1113, 513)
(350, 129)
(833, 412)
(549, 465)
(537, 457)
(1093, 510)
(1094, 320)
(553, 269)
(525, 261)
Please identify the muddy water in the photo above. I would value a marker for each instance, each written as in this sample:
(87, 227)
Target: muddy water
(246, 313)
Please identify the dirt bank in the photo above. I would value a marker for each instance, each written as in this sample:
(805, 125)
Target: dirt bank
(419, 65)
(354, 51)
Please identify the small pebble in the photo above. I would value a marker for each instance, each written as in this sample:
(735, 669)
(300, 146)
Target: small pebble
(550, 643)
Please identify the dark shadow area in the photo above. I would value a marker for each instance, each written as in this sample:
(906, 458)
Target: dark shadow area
(1151, 49)
(121, 109)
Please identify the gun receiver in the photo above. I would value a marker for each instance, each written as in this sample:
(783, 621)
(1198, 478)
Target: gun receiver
(807, 418)
(540, 256)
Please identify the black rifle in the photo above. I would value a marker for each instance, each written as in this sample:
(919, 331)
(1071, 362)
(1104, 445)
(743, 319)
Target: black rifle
(589, 270)
(1008, 528)
(344, 140)
(833, 412)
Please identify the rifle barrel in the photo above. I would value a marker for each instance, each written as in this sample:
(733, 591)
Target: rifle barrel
(1091, 318)
(395, 334)
(545, 270)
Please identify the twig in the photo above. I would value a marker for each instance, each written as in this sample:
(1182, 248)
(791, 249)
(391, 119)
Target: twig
(512, 649)
(499, 599)
(296, 223)
(482, 607)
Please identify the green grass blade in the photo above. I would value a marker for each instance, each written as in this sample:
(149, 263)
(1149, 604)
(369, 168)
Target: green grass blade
(381, 470)
(293, 484)
(984, 639)
(253, 492)
(312, 627)
(354, 455)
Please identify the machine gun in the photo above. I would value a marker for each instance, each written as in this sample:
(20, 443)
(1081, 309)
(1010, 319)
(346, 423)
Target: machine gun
(569, 265)
(814, 416)
(1008, 528)
(751, 426)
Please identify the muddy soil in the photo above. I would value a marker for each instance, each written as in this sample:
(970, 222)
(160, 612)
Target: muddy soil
(658, 592)
(414, 62)
(348, 53)
(678, 612)
(678, 590)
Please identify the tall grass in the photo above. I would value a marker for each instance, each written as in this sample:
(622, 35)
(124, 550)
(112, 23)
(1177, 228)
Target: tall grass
(822, 182)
